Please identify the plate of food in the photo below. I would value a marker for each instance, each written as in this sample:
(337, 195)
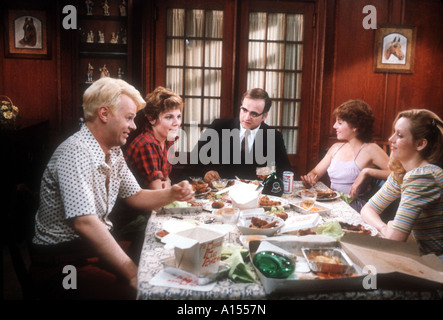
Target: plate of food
(268, 202)
(324, 195)
(315, 209)
(182, 207)
(200, 188)
(259, 224)
(358, 228)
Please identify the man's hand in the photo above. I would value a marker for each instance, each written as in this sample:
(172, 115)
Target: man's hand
(182, 191)
(211, 176)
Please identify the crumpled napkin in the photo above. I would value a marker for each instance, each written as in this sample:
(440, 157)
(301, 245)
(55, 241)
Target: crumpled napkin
(234, 256)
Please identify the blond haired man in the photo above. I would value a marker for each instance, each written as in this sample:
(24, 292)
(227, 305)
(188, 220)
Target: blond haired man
(80, 185)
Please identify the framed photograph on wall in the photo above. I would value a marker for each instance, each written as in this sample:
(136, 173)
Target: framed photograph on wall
(394, 49)
(27, 34)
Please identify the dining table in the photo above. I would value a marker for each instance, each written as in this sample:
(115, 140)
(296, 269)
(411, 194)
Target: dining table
(154, 254)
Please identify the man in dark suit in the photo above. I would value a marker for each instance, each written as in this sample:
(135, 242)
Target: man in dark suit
(220, 149)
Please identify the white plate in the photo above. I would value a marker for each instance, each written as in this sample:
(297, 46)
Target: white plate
(283, 202)
(336, 196)
(298, 207)
(245, 221)
(182, 210)
(367, 227)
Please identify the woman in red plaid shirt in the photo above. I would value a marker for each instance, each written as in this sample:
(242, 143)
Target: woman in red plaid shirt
(147, 154)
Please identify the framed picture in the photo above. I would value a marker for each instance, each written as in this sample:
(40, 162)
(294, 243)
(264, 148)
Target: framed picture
(27, 34)
(394, 49)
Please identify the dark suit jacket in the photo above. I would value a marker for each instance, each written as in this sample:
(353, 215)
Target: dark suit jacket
(242, 170)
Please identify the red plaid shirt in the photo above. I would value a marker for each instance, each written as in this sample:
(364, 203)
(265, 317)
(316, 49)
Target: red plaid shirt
(147, 160)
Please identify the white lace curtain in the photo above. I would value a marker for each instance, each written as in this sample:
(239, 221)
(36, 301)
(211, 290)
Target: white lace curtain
(275, 64)
(194, 61)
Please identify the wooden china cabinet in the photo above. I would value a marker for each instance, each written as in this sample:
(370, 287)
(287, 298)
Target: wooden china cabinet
(103, 44)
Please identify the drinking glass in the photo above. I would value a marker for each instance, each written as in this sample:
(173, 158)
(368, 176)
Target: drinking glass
(229, 215)
(308, 198)
(220, 184)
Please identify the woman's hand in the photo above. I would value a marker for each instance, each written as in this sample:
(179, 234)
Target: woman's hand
(358, 182)
(309, 180)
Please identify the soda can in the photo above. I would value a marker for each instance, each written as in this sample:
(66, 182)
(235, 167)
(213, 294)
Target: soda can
(288, 181)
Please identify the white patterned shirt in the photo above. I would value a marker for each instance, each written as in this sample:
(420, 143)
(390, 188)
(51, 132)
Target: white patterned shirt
(75, 184)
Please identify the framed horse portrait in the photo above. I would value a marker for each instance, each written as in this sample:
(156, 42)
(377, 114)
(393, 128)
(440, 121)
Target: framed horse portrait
(27, 34)
(394, 49)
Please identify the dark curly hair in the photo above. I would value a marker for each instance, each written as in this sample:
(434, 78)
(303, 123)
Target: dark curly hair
(359, 115)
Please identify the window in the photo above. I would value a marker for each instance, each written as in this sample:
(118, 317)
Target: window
(194, 48)
(215, 52)
(275, 47)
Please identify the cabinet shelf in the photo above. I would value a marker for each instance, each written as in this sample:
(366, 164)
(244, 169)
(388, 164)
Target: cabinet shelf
(103, 50)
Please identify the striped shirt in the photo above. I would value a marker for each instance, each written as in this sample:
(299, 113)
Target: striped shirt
(421, 205)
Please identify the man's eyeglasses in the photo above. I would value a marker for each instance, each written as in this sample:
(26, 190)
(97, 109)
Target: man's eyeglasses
(253, 114)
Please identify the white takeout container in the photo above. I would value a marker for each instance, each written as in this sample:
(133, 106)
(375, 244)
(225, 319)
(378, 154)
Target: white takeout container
(305, 221)
(244, 196)
(197, 250)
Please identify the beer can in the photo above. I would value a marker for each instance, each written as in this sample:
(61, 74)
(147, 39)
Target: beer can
(288, 180)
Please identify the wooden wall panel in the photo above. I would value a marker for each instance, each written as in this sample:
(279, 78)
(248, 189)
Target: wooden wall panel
(348, 71)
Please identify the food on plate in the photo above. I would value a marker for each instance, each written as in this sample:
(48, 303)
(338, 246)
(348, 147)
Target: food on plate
(351, 228)
(218, 204)
(281, 214)
(258, 223)
(278, 212)
(326, 194)
(200, 187)
(178, 204)
(325, 259)
(265, 201)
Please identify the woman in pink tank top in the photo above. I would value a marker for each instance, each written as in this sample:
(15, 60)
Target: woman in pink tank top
(351, 165)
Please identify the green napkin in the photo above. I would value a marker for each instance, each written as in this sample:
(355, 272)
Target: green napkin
(239, 271)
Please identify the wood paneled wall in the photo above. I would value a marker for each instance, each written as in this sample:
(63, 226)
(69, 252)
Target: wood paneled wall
(348, 62)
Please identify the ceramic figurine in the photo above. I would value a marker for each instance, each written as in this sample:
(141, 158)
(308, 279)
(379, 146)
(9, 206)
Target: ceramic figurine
(90, 73)
(104, 72)
(101, 37)
(90, 37)
(114, 38)
(106, 8)
(120, 73)
(123, 8)
(89, 5)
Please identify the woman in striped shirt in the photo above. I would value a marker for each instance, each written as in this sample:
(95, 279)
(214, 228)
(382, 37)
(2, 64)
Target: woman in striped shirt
(417, 178)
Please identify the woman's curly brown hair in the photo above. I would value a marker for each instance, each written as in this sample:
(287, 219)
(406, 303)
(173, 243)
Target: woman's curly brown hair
(359, 115)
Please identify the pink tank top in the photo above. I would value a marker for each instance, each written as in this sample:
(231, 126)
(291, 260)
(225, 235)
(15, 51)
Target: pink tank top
(343, 173)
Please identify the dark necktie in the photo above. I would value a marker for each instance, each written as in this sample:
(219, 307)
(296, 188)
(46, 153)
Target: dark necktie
(244, 146)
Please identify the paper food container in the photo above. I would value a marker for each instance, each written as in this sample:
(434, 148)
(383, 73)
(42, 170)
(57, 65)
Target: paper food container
(244, 196)
(295, 223)
(197, 250)
(376, 264)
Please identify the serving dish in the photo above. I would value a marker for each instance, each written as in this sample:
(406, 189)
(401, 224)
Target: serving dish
(247, 224)
(320, 197)
(328, 260)
(282, 202)
(315, 209)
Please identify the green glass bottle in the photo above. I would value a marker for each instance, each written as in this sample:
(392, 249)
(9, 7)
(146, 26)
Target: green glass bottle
(273, 184)
(274, 265)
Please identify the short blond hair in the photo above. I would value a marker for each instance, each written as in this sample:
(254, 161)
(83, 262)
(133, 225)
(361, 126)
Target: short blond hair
(108, 91)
